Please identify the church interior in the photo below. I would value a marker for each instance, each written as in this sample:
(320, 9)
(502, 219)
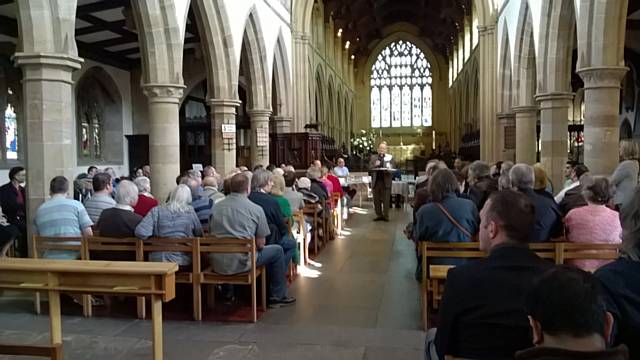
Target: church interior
(401, 140)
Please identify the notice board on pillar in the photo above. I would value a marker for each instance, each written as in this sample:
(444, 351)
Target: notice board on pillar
(262, 136)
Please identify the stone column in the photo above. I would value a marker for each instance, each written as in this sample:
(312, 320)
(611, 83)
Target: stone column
(282, 124)
(49, 113)
(554, 118)
(506, 133)
(601, 120)
(223, 150)
(487, 94)
(526, 118)
(164, 136)
(301, 81)
(259, 123)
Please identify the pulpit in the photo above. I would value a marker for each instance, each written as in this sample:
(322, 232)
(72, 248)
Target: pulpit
(297, 149)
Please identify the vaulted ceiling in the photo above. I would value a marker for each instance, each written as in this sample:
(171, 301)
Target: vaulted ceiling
(362, 21)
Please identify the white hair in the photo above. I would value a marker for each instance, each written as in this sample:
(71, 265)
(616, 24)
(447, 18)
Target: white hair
(179, 199)
(143, 183)
(127, 193)
(278, 171)
(522, 176)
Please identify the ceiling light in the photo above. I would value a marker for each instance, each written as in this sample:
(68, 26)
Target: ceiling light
(340, 32)
(353, 57)
(346, 45)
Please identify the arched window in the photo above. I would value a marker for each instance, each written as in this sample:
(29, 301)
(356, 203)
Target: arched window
(10, 103)
(401, 87)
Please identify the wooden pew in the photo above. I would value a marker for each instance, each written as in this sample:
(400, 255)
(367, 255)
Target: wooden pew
(336, 212)
(116, 245)
(567, 251)
(88, 277)
(211, 245)
(298, 217)
(41, 244)
(183, 276)
(311, 211)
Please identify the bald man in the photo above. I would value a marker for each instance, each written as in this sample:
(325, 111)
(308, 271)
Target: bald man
(381, 180)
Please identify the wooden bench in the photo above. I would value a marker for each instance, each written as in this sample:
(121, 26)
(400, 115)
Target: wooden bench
(311, 211)
(42, 244)
(336, 212)
(105, 245)
(298, 217)
(183, 276)
(211, 245)
(88, 277)
(434, 276)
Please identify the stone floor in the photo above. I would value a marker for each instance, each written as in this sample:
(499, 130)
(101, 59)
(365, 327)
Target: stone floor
(363, 303)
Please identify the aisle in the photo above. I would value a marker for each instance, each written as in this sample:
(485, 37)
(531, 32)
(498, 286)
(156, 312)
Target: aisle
(363, 303)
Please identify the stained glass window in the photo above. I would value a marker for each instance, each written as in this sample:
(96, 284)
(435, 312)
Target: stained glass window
(401, 87)
(11, 131)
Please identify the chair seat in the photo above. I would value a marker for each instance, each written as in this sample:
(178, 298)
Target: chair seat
(208, 276)
(184, 278)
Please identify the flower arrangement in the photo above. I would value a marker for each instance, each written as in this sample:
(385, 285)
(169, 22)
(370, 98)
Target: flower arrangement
(363, 143)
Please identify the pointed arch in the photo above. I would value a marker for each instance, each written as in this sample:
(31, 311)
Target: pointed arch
(504, 73)
(525, 59)
(254, 58)
(319, 100)
(281, 76)
(557, 32)
(219, 55)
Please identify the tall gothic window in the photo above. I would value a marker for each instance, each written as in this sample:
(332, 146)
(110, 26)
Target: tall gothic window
(10, 130)
(10, 114)
(401, 87)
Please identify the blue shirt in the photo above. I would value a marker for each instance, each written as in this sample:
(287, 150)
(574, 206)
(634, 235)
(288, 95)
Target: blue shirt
(61, 217)
(202, 206)
(433, 225)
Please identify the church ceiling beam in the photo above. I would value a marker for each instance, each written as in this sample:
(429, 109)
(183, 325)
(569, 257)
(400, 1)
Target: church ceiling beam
(96, 28)
(100, 6)
(128, 35)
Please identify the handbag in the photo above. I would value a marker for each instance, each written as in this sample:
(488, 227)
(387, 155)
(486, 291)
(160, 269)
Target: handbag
(454, 222)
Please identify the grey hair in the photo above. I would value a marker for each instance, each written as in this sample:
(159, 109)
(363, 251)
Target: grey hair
(313, 173)
(478, 169)
(289, 168)
(432, 166)
(278, 171)
(143, 183)
(522, 176)
(127, 193)
(442, 182)
(260, 179)
(506, 167)
(180, 200)
(596, 189)
(192, 183)
(195, 174)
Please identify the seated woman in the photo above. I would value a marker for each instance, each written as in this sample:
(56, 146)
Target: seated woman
(120, 221)
(277, 192)
(175, 219)
(447, 218)
(594, 223)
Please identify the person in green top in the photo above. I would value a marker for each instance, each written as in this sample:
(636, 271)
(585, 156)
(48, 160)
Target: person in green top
(277, 191)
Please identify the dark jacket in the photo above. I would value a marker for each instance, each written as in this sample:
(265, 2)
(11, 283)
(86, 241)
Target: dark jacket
(548, 217)
(621, 281)
(377, 175)
(549, 353)
(274, 215)
(572, 199)
(482, 315)
(480, 191)
(318, 188)
(9, 202)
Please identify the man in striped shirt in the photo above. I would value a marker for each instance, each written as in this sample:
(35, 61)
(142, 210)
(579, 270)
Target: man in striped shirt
(201, 204)
(101, 199)
(62, 217)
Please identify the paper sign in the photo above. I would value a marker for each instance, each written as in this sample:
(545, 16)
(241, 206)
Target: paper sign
(228, 131)
(196, 167)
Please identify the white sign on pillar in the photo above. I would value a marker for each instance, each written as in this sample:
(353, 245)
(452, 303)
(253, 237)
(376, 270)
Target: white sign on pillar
(228, 131)
(262, 136)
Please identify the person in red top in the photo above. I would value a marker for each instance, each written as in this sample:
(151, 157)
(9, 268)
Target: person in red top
(337, 188)
(146, 201)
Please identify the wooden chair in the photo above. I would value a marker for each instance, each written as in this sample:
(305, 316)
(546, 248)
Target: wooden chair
(433, 276)
(41, 244)
(211, 245)
(337, 211)
(293, 268)
(109, 244)
(325, 222)
(311, 211)
(181, 245)
(298, 217)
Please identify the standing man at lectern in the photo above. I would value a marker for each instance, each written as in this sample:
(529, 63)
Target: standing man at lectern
(381, 168)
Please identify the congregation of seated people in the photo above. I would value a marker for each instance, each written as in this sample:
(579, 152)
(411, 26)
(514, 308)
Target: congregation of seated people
(512, 303)
(243, 204)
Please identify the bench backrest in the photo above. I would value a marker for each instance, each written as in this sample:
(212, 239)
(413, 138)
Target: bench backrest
(571, 251)
(41, 244)
(107, 244)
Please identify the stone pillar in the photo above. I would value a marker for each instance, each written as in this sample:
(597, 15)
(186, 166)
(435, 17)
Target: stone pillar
(487, 95)
(223, 150)
(282, 124)
(301, 81)
(164, 136)
(554, 118)
(49, 113)
(506, 136)
(601, 120)
(259, 123)
(526, 119)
